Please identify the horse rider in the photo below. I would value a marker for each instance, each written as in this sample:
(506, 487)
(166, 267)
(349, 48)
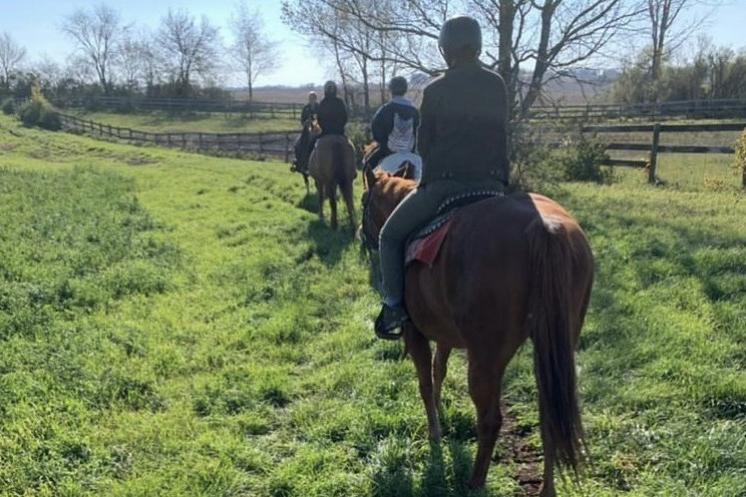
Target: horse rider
(395, 124)
(332, 113)
(303, 144)
(310, 109)
(464, 147)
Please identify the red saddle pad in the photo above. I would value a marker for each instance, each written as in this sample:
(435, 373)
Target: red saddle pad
(425, 250)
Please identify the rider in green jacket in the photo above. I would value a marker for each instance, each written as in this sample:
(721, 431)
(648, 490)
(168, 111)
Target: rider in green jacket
(463, 143)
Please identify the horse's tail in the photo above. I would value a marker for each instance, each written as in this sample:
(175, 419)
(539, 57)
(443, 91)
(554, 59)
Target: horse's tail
(339, 167)
(551, 327)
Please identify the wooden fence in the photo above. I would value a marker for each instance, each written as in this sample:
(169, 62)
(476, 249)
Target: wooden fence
(270, 110)
(690, 109)
(275, 144)
(654, 147)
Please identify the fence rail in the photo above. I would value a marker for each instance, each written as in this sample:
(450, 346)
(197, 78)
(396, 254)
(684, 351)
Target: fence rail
(691, 109)
(275, 144)
(655, 147)
(253, 109)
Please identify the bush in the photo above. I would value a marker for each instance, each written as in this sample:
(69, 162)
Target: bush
(358, 134)
(532, 164)
(39, 112)
(583, 162)
(9, 107)
(740, 163)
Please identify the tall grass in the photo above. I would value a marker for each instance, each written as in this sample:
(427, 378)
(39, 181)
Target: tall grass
(174, 324)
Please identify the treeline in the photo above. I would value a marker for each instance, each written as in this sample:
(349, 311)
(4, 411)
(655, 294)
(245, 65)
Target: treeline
(366, 42)
(710, 73)
(184, 56)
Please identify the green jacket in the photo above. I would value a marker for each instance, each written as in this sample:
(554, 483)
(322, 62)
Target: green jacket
(464, 126)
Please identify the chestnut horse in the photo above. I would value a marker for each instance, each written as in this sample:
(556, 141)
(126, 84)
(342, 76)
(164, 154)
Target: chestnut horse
(332, 165)
(511, 268)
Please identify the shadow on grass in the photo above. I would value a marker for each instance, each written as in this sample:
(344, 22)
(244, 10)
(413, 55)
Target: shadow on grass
(440, 478)
(330, 244)
(309, 202)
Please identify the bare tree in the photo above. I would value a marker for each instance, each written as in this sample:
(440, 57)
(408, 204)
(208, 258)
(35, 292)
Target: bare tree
(253, 51)
(97, 34)
(11, 55)
(548, 37)
(669, 30)
(361, 52)
(187, 48)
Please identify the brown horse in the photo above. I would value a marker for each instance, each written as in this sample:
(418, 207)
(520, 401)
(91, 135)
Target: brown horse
(332, 165)
(511, 268)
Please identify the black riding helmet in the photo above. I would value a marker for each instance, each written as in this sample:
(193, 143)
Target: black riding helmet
(330, 89)
(460, 36)
(398, 86)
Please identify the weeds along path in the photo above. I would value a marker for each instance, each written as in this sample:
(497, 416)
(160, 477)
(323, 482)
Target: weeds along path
(174, 325)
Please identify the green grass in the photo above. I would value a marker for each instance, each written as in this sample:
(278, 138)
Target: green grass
(174, 324)
(164, 122)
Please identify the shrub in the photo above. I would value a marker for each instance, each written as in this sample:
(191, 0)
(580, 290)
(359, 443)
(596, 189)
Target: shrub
(583, 161)
(9, 107)
(358, 134)
(740, 163)
(532, 164)
(39, 112)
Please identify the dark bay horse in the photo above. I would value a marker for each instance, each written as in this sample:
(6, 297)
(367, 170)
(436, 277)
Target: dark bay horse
(332, 166)
(511, 268)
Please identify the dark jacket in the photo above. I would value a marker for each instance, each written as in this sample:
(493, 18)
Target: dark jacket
(464, 130)
(309, 110)
(398, 110)
(332, 116)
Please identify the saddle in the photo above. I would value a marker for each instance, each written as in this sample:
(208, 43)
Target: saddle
(424, 245)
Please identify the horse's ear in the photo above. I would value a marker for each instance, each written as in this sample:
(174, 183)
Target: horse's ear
(370, 177)
(410, 171)
(405, 171)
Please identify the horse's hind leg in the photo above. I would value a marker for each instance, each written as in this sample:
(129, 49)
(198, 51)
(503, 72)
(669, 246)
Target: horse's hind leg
(547, 485)
(440, 368)
(320, 190)
(419, 349)
(332, 194)
(350, 203)
(485, 378)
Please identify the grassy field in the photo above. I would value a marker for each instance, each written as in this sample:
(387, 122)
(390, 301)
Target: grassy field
(174, 324)
(165, 122)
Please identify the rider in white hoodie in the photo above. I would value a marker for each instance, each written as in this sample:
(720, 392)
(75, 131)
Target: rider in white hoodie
(395, 124)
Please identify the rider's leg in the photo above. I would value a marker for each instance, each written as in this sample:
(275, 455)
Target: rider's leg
(412, 213)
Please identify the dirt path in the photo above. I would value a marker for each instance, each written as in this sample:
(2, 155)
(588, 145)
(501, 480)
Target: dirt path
(529, 460)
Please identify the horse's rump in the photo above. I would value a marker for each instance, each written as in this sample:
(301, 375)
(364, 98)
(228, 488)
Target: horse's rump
(333, 159)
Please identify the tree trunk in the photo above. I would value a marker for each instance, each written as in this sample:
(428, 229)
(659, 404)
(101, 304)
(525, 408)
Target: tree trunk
(505, 55)
(366, 87)
(542, 58)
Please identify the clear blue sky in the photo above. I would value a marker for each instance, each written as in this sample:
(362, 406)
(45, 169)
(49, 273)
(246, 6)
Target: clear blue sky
(35, 24)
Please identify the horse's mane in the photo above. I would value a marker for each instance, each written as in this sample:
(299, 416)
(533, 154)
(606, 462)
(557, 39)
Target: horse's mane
(394, 187)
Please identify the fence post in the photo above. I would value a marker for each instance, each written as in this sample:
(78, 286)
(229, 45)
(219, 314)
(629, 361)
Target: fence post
(287, 149)
(654, 153)
(199, 140)
(261, 149)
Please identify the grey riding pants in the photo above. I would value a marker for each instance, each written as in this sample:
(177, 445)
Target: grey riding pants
(412, 214)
